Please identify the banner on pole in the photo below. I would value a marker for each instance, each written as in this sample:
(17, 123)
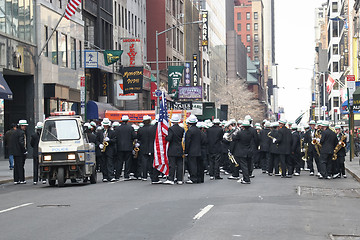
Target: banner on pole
(174, 78)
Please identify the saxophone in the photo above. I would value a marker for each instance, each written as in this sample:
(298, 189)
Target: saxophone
(305, 149)
(136, 149)
(340, 145)
(104, 142)
(317, 144)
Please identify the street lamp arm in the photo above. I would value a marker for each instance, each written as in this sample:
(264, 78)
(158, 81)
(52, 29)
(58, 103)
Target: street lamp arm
(179, 25)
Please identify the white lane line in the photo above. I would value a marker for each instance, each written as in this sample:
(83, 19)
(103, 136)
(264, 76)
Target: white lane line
(203, 212)
(16, 207)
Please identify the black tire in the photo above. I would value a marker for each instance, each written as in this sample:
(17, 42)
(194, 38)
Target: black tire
(93, 177)
(52, 182)
(61, 177)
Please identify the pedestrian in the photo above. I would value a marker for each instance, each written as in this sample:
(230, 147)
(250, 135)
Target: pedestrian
(125, 136)
(242, 150)
(193, 152)
(175, 151)
(214, 136)
(7, 137)
(19, 149)
(328, 143)
(106, 141)
(34, 142)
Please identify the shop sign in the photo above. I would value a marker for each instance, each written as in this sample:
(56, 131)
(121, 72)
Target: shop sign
(187, 76)
(205, 35)
(120, 92)
(82, 95)
(197, 108)
(195, 69)
(190, 92)
(91, 59)
(133, 79)
(132, 55)
(181, 105)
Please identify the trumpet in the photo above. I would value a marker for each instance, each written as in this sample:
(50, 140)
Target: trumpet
(340, 145)
(272, 137)
(232, 158)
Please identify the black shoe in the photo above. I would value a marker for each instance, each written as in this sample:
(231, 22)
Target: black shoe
(289, 176)
(251, 176)
(218, 178)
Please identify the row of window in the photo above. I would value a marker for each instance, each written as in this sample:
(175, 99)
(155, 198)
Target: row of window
(256, 15)
(62, 48)
(206, 68)
(256, 38)
(248, 27)
(125, 19)
(175, 39)
(256, 49)
(176, 8)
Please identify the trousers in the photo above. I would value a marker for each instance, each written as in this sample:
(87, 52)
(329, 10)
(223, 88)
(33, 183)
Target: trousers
(214, 160)
(19, 171)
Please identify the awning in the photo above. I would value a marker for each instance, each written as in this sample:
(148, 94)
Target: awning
(96, 110)
(5, 91)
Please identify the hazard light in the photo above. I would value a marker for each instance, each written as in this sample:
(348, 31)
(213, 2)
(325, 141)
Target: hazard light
(67, 113)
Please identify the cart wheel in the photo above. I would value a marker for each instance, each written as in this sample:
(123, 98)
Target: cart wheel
(61, 177)
(93, 176)
(52, 182)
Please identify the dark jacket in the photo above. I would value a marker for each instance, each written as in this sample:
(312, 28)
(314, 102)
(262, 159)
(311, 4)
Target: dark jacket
(284, 140)
(110, 149)
(274, 147)
(146, 136)
(255, 139)
(243, 141)
(91, 136)
(34, 142)
(174, 138)
(328, 142)
(193, 142)
(342, 151)
(295, 145)
(125, 136)
(7, 137)
(17, 143)
(308, 139)
(214, 136)
(264, 140)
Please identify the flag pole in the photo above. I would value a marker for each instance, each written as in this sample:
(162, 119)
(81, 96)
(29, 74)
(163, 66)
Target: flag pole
(183, 144)
(52, 33)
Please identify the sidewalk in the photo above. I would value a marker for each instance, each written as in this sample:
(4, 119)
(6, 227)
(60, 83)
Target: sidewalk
(6, 175)
(353, 168)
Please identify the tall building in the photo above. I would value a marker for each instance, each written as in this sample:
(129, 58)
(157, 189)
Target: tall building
(18, 64)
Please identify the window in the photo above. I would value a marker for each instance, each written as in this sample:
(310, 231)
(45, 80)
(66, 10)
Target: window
(60, 5)
(256, 37)
(60, 130)
(335, 28)
(174, 38)
(73, 53)
(204, 67)
(248, 27)
(126, 22)
(115, 16)
(334, 7)
(335, 49)
(256, 26)
(256, 58)
(248, 38)
(247, 16)
(248, 49)
(80, 55)
(256, 49)
(54, 48)
(335, 67)
(238, 16)
(63, 50)
(46, 34)
(208, 69)
(239, 27)
(256, 15)
(122, 17)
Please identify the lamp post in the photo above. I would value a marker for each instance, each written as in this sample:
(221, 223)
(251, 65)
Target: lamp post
(157, 56)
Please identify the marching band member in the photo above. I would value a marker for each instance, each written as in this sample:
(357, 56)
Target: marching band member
(339, 164)
(214, 136)
(274, 150)
(312, 153)
(264, 146)
(284, 142)
(295, 151)
(328, 143)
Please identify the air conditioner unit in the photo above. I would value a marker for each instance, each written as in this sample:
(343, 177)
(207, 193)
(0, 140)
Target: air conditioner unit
(86, 44)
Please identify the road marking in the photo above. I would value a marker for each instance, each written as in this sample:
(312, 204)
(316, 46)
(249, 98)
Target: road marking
(203, 212)
(16, 207)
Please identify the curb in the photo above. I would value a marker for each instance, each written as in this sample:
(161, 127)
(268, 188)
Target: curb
(353, 174)
(11, 180)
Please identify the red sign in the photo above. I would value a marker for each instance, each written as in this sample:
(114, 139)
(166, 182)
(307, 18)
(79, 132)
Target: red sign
(350, 78)
(153, 89)
(82, 82)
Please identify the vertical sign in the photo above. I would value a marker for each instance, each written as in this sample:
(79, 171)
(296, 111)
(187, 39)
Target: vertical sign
(187, 74)
(350, 81)
(132, 55)
(104, 85)
(205, 28)
(82, 95)
(195, 70)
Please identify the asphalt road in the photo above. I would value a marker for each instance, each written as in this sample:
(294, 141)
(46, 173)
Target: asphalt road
(269, 208)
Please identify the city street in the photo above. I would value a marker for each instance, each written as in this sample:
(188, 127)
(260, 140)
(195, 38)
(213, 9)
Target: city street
(269, 208)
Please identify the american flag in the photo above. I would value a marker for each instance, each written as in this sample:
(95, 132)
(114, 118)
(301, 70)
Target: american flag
(71, 8)
(161, 162)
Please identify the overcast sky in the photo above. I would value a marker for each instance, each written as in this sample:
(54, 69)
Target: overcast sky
(295, 48)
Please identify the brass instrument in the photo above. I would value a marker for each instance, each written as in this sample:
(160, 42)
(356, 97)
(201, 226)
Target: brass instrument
(305, 149)
(316, 144)
(340, 145)
(272, 137)
(232, 158)
(104, 142)
(136, 150)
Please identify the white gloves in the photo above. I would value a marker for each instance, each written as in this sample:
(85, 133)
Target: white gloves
(137, 145)
(318, 140)
(25, 153)
(274, 140)
(106, 139)
(101, 146)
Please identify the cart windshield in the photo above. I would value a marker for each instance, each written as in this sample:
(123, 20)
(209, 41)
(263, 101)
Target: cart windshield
(57, 130)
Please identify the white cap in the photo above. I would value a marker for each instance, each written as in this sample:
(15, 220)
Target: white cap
(125, 118)
(23, 123)
(136, 128)
(39, 125)
(283, 121)
(216, 121)
(106, 122)
(175, 118)
(85, 125)
(299, 129)
(146, 118)
(274, 124)
(248, 117)
(228, 123)
(246, 123)
(193, 119)
(267, 124)
(294, 126)
(92, 123)
(153, 122)
(116, 124)
(141, 124)
(181, 125)
(258, 128)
